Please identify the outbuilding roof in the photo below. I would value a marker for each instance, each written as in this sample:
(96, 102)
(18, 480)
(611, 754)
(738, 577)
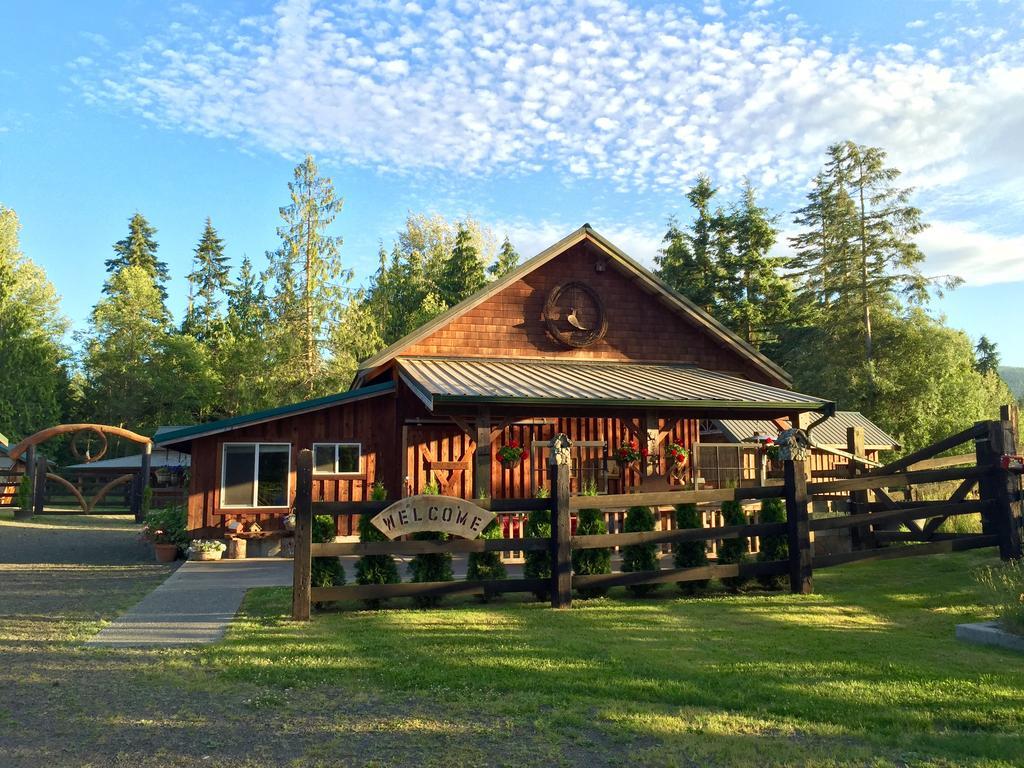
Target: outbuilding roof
(830, 433)
(592, 383)
(185, 434)
(651, 282)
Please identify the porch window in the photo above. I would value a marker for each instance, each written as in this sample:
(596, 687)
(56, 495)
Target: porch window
(255, 475)
(337, 458)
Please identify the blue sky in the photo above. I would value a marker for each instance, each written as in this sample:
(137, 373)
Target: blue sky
(533, 118)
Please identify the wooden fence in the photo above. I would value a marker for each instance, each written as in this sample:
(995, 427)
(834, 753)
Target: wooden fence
(872, 518)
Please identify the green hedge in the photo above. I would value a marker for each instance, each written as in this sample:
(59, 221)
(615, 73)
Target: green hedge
(434, 566)
(733, 550)
(586, 562)
(640, 557)
(375, 569)
(487, 565)
(325, 571)
(690, 554)
(538, 562)
(773, 547)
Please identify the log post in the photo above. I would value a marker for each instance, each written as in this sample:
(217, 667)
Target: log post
(482, 457)
(859, 535)
(799, 532)
(39, 486)
(141, 484)
(25, 511)
(561, 545)
(302, 564)
(1000, 486)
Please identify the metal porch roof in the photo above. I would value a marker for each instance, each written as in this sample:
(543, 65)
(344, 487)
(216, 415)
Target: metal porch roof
(830, 433)
(588, 383)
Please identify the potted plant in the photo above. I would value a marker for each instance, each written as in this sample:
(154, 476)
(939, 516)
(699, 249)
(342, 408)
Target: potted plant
(510, 454)
(630, 453)
(677, 457)
(165, 528)
(206, 549)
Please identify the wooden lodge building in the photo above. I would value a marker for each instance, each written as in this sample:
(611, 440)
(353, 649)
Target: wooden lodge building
(580, 339)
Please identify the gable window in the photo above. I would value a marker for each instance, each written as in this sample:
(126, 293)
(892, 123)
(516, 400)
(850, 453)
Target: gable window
(337, 458)
(255, 474)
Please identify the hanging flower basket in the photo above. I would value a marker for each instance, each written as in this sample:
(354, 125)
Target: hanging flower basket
(510, 454)
(630, 453)
(678, 458)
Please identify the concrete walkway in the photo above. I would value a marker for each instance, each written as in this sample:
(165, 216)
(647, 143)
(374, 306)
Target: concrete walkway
(195, 605)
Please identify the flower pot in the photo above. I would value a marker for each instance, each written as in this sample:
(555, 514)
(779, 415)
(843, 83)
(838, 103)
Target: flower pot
(165, 553)
(213, 555)
(512, 464)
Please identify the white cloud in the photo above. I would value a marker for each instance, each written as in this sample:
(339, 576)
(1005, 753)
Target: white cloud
(642, 98)
(980, 258)
(530, 238)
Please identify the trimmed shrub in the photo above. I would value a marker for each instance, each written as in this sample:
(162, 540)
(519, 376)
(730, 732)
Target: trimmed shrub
(538, 562)
(433, 566)
(375, 569)
(733, 550)
(325, 571)
(690, 554)
(640, 557)
(23, 496)
(486, 565)
(586, 562)
(773, 547)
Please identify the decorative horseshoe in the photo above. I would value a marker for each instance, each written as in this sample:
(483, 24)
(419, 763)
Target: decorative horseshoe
(88, 457)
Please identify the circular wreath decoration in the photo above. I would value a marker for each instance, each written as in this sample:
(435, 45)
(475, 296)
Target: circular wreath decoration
(576, 337)
(87, 457)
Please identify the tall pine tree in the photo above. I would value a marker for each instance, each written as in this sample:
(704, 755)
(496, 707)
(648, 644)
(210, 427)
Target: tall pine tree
(208, 282)
(309, 281)
(463, 273)
(138, 249)
(508, 259)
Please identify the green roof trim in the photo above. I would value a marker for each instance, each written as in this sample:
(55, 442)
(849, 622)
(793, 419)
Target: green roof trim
(224, 425)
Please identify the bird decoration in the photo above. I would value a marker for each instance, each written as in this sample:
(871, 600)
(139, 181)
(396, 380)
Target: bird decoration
(575, 321)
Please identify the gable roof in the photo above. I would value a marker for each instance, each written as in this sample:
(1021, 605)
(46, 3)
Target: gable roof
(655, 285)
(186, 434)
(829, 433)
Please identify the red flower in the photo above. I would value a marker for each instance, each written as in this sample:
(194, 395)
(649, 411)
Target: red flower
(634, 443)
(513, 443)
(644, 452)
(769, 441)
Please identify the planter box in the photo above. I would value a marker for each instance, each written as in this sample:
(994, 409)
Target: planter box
(205, 555)
(989, 633)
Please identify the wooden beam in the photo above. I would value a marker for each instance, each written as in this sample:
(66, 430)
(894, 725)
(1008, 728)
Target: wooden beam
(972, 433)
(483, 458)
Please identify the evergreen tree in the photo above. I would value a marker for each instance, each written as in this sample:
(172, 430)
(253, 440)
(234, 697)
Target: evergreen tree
(463, 273)
(773, 548)
(987, 356)
(32, 353)
(733, 550)
(508, 259)
(138, 249)
(481, 566)
(537, 563)
(242, 361)
(208, 282)
(129, 328)
(309, 281)
(585, 562)
(690, 259)
(375, 569)
(755, 298)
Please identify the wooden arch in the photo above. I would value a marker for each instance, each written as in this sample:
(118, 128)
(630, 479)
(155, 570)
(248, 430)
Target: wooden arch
(62, 429)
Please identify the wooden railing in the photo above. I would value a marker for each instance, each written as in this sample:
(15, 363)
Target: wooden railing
(872, 521)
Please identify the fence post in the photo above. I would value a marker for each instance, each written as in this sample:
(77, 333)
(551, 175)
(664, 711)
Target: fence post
(1001, 487)
(301, 564)
(39, 486)
(24, 512)
(800, 578)
(561, 545)
(859, 535)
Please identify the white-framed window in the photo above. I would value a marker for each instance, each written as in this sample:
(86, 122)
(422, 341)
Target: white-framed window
(255, 474)
(337, 458)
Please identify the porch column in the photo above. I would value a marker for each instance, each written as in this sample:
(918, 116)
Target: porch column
(651, 466)
(482, 458)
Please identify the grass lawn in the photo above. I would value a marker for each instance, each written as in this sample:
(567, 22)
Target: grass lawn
(865, 672)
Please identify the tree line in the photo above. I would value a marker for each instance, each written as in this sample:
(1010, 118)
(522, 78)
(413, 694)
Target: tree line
(845, 311)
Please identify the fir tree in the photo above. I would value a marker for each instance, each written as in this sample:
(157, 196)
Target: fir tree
(508, 259)
(309, 280)
(138, 249)
(690, 554)
(986, 355)
(640, 557)
(375, 569)
(733, 550)
(208, 282)
(462, 274)
(773, 548)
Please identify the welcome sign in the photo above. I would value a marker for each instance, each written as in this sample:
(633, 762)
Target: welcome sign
(446, 514)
